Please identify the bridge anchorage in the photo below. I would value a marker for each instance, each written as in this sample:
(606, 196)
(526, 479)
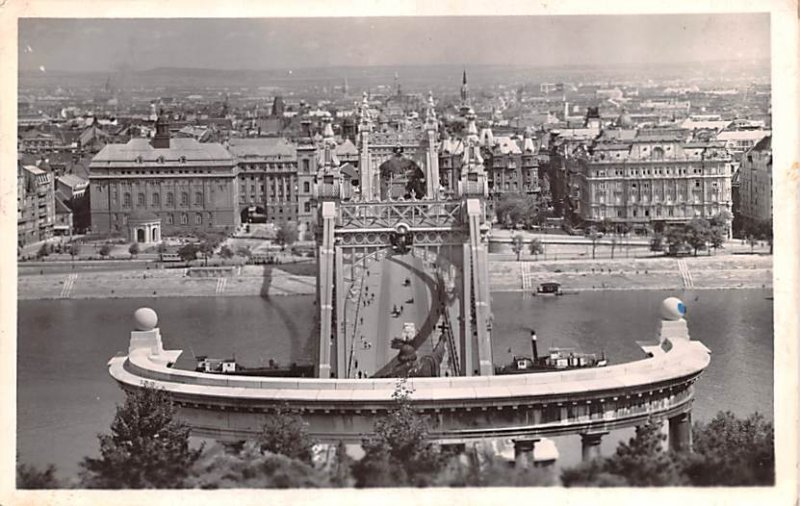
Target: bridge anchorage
(395, 225)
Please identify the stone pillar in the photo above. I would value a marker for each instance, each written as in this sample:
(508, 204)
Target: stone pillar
(523, 452)
(590, 445)
(680, 432)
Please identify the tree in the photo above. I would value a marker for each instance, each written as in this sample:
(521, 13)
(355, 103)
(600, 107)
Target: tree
(105, 250)
(698, 233)
(162, 248)
(536, 248)
(134, 249)
(44, 250)
(244, 251)
(249, 467)
(641, 461)
(31, 478)
(731, 451)
(226, 252)
(517, 245)
(286, 234)
(727, 451)
(207, 249)
(74, 250)
(147, 446)
(676, 238)
(657, 242)
(594, 235)
(399, 453)
(513, 209)
(188, 252)
(285, 433)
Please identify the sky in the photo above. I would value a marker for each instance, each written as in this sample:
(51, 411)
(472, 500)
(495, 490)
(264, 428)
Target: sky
(273, 43)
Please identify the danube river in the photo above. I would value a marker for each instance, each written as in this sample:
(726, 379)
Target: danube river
(65, 395)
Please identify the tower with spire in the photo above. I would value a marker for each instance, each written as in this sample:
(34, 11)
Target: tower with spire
(432, 152)
(465, 105)
(365, 169)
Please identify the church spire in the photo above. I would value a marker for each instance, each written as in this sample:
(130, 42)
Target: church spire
(464, 88)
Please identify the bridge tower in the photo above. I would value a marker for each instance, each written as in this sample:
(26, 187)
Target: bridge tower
(449, 234)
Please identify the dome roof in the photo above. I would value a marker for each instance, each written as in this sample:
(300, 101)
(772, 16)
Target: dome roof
(142, 216)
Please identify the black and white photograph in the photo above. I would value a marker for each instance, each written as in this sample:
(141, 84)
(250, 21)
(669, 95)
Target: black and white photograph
(458, 251)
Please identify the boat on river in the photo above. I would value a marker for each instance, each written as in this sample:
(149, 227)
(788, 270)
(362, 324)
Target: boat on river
(231, 367)
(558, 359)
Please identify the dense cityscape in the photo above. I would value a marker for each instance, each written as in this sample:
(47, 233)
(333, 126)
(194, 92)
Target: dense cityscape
(575, 152)
(393, 234)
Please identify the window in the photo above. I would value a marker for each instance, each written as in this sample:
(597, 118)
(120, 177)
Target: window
(184, 219)
(306, 186)
(140, 200)
(126, 200)
(184, 199)
(170, 218)
(156, 199)
(170, 200)
(198, 199)
(198, 219)
(307, 207)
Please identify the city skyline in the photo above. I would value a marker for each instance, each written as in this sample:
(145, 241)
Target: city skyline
(101, 45)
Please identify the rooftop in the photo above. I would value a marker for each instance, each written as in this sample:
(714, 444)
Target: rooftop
(262, 147)
(187, 148)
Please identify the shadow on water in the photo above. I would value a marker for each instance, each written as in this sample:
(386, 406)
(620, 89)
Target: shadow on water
(266, 281)
(299, 349)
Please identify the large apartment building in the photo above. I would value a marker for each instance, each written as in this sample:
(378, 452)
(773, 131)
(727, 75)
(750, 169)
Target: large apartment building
(267, 179)
(755, 183)
(659, 177)
(35, 204)
(187, 185)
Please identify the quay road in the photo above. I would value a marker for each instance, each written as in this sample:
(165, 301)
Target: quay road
(384, 289)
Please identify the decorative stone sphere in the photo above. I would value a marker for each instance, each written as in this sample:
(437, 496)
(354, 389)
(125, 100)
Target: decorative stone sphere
(145, 319)
(673, 308)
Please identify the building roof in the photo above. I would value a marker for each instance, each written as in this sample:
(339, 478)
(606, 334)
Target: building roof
(732, 135)
(189, 148)
(261, 147)
(346, 148)
(764, 144)
(72, 180)
(142, 216)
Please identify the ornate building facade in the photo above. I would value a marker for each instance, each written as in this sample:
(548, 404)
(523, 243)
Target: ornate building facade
(658, 178)
(188, 185)
(267, 179)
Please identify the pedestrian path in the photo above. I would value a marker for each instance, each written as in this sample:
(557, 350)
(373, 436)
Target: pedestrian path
(66, 289)
(686, 274)
(221, 284)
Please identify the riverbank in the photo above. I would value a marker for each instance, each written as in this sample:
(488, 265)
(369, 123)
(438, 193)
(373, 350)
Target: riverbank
(249, 280)
(702, 272)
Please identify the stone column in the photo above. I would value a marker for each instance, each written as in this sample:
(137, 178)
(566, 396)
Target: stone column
(523, 452)
(680, 432)
(590, 445)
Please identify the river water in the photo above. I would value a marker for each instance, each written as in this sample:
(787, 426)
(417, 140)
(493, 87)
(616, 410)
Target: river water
(65, 396)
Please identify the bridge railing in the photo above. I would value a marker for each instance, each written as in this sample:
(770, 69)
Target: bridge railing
(415, 213)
